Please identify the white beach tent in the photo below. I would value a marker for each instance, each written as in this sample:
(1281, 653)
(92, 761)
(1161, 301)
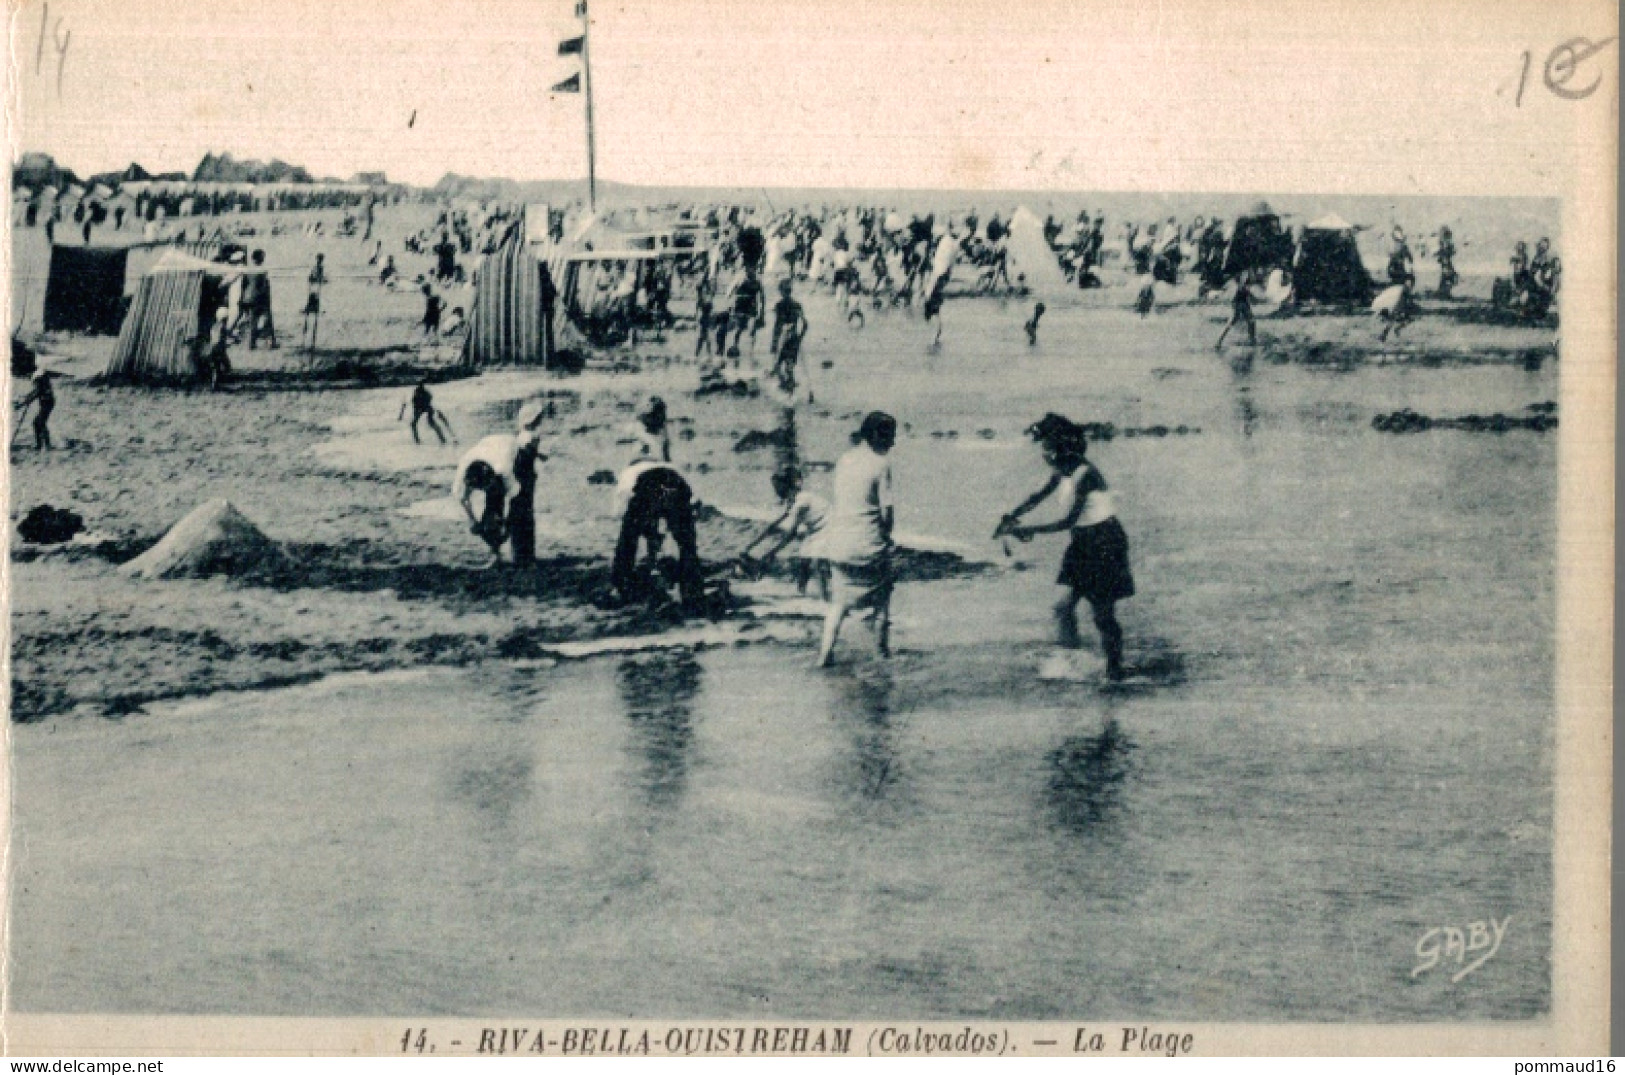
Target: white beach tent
(538, 223)
(1031, 256)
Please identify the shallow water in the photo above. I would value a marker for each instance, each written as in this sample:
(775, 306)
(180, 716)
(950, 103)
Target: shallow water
(1339, 736)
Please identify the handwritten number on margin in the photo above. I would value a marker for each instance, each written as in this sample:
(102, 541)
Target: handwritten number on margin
(1564, 63)
(44, 21)
(62, 40)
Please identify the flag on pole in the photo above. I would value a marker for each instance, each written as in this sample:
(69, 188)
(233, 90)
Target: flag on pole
(571, 46)
(569, 85)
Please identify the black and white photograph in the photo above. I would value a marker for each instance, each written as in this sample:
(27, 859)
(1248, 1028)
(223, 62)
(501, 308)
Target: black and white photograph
(947, 529)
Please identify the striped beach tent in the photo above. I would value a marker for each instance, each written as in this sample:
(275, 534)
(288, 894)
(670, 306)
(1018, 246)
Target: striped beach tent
(508, 325)
(159, 341)
(202, 249)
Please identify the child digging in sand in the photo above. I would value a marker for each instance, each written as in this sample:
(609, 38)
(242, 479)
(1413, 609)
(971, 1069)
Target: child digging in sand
(805, 515)
(487, 469)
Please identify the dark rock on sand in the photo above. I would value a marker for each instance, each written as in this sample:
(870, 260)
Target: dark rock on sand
(757, 439)
(721, 386)
(1408, 421)
(47, 525)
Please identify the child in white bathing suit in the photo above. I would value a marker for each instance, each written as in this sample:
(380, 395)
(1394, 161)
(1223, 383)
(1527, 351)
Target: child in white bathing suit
(805, 515)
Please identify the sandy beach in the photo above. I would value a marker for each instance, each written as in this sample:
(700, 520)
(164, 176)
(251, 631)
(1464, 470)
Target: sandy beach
(1339, 628)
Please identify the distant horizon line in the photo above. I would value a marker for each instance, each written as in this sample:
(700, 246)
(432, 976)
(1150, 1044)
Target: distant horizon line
(764, 188)
(782, 187)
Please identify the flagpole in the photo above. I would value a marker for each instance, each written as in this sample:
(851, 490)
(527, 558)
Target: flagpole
(586, 88)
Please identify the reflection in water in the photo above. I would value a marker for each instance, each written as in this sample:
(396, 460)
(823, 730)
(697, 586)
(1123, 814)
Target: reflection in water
(1246, 413)
(1087, 776)
(1241, 370)
(658, 691)
(523, 690)
(865, 698)
(495, 772)
(786, 445)
(495, 790)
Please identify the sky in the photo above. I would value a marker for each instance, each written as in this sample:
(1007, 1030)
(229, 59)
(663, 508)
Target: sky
(1303, 95)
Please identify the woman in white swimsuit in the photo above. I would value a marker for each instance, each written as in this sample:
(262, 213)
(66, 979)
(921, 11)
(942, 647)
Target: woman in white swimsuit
(858, 541)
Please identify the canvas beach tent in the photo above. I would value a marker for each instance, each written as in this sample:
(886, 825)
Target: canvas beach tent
(538, 223)
(84, 289)
(513, 289)
(1029, 254)
(604, 294)
(1328, 267)
(169, 318)
(1258, 241)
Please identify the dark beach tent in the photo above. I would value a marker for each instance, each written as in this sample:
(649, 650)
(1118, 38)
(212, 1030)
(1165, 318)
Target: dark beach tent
(170, 316)
(513, 296)
(1258, 242)
(84, 290)
(1329, 269)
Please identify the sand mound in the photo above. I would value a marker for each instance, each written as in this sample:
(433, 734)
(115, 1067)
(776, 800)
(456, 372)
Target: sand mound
(214, 538)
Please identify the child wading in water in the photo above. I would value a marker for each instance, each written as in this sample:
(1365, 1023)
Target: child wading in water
(933, 309)
(1095, 567)
(1031, 326)
(805, 515)
(858, 541)
(1241, 313)
(789, 329)
(704, 298)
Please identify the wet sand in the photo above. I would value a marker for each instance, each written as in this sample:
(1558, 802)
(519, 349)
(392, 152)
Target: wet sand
(678, 835)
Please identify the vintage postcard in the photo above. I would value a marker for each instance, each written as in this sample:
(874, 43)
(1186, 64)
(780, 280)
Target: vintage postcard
(723, 528)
